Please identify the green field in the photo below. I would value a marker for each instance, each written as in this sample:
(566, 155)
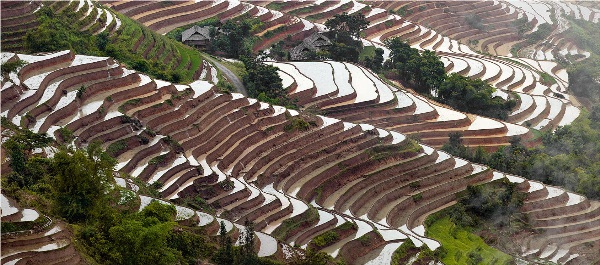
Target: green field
(463, 247)
(367, 52)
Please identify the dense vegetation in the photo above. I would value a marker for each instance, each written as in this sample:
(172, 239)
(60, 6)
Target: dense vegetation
(61, 31)
(235, 39)
(77, 185)
(460, 246)
(568, 157)
(584, 75)
(424, 72)
(344, 33)
(263, 83)
(480, 209)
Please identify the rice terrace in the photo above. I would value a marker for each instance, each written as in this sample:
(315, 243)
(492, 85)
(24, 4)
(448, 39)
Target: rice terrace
(300, 132)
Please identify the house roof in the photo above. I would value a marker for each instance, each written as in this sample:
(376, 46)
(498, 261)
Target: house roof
(311, 43)
(196, 33)
(316, 40)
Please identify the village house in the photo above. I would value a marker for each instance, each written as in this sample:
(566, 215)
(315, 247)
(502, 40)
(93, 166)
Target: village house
(196, 36)
(313, 43)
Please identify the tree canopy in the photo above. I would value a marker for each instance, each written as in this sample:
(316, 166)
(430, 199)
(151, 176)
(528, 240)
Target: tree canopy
(424, 72)
(344, 26)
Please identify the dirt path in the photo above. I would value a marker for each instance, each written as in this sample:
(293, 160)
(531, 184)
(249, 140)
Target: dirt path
(235, 81)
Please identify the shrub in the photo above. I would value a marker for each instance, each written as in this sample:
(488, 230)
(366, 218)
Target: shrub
(9, 67)
(325, 239)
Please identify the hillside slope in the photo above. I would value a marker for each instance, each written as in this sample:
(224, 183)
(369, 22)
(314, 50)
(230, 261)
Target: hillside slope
(295, 175)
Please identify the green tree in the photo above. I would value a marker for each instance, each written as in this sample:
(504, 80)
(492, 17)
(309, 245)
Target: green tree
(224, 256)
(455, 145)
(81, 179)
(344, 32)
(27, 169)
(263, 82)
(424, 71)
(344, 28)
(474, 96)
(233, 38)
(247, 255)
(143, 239)
(377, 62)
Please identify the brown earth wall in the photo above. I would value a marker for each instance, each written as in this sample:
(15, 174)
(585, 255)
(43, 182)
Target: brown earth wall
(431, 195)
(421, 174)
(331, 185)
(545, 203)
(247, 143)
(558, 211)
(125, 7)
(113, 135)
(572, 218)
(189, 18)
(198, 114)
(219, 133)
(36, 68)
(317, 146)
(342, 234)
(354, 147)
(308, 190)
(15, 21)
(321, 157)
(231, 12)
(275, 205)
(394, 172)
(141, 155)
(11, 93)
(237, 137)
(355, 249)
(308, 234)
(426, 183)
(30, 101)
(300, 142)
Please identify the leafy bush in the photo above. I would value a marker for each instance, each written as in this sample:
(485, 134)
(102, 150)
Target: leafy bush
(9, 67)
(325, 239)
(287, 226)
(263, 82)
(157, 160)
(296, 124)
(116, 147)
(473, 96)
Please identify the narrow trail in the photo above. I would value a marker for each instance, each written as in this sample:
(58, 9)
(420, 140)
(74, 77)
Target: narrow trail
(234, 79)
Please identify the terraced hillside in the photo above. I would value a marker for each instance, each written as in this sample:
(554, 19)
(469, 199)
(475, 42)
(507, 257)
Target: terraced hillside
(47, 239)
(493, 26)
(49, 242)
(542, 105)
(296, 176)
(352, 93)
(351, 172)
(130, 41)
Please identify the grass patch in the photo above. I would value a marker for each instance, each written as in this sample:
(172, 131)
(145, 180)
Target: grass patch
(547, 79)
(310, 216)
(300, 11)
(367, 52)
(464, 247)
(276, 5)
(237, 68)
